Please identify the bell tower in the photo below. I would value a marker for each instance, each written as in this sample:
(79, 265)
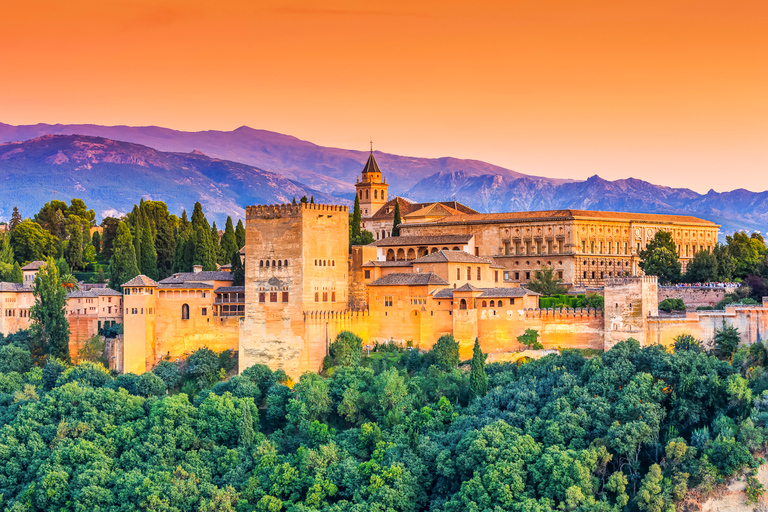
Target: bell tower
(372, 190)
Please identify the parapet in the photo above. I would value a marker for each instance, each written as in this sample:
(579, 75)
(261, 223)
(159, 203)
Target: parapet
(556, 313)
(276, 211)
(629, 280)
(347, 314)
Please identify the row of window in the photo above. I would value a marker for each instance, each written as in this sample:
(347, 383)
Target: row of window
(530, 248)
(23, 313)
(140, 311)
(325, 296)
(402, 255)
(183, 294)
(602, 274)
(272, 297)
(275, 263)
(375, 194)
(325, 263)
(136, 291)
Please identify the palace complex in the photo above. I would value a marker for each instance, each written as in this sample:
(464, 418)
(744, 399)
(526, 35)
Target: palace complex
(451, 270)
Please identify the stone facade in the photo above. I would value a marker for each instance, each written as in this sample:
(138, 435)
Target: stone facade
(694, 297)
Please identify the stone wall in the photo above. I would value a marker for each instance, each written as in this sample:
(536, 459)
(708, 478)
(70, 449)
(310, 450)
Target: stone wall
(81, 327)
(693, 297)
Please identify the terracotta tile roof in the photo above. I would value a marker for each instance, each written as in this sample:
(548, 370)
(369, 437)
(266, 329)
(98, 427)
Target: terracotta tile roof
(230, 289)
(407, 279)
(467, 288)
(205, 275)
(104, 291)
(77, 294)
(398, 241)
(371, 165)
(242, 250)
(444, 293)
(35, 265)
(447, 293)
(451, 256)
(483, 218)
(140, 280)
(407, 208)
(399, 263)
(228, 265)
(434, 210)
(14, 287)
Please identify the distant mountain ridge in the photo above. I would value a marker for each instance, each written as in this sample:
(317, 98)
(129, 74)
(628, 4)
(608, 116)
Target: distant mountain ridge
(111, 176)
(483, 186)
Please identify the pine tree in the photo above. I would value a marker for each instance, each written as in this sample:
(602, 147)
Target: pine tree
(247, 433)
(203, 249)
(15, 218)
(356, 219)
(49, 328)
(17, 276)
(122, 265)
(148, 263)
(198, 217)
(238, 270)
(96, 241)
(240, 234)
(74, 254)
(219, 256)
(398, 220)
(304, 200)
(184, 222)
(478, 380)
(294, 200)
(228, 240)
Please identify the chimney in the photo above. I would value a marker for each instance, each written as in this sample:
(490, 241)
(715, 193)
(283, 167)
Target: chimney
(197, 268)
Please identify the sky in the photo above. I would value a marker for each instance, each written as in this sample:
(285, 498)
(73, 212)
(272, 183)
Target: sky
(674, 92)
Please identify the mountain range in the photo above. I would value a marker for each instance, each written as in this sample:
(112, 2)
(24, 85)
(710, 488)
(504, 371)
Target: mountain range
(227, 170)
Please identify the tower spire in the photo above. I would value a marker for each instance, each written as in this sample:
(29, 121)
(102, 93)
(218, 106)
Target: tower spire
(371, 140)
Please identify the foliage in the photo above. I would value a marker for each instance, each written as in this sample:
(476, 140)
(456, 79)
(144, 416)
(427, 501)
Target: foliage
(204, 366)
(478, 380)
(446, 352)
(49, 325)
(30, 242)
(238, 269)
(346, 349)
(659, 258)
(397, 221)
(229, 240)
(669, 305)
(93, 349)
(122, 265)
(702, 268)
(15, 359)
(354, 222)
(546, 282)
(530, 338)
(240, 234)
(169, 373)
(726, 341)
(687, 342)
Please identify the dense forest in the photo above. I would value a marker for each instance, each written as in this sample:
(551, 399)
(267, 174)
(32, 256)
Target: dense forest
(394, 430)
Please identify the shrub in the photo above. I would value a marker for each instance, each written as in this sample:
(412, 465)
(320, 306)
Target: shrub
(203, 365)
(169, 373)
(149, 384)
(51, 371)
(346, 349)
(88, 372)
(15, 359)
(446, 352)
(261, 375)
(127, 381)
(688, 342)
(670, 305)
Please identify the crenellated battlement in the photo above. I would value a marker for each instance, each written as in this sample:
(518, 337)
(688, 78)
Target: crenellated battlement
(629, 280)
(272, 211)
(558, 313)
(348, 314)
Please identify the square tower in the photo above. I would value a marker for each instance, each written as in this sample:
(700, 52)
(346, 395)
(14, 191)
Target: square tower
(296, 261)
(371, 191)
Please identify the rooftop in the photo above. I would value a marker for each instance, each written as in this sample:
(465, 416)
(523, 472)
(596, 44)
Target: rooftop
(205, 275)
(35, 265)
(140, 280)
(184, 285)
(371, 165)
(387, 211)
(480, 218)
(447, 293)
(451, 256)
(14, 287)
(403, 279)
(230, 289)
(395, 263)
(397, 241)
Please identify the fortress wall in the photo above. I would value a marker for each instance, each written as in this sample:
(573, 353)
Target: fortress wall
(81, 327)
(752, 323)
(693, 297)
(322, 327)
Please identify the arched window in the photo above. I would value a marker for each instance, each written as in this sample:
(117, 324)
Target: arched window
(285, 263)
(382, 195)
(455, 248)
(366, 194)
(375, 194)
(390, 255)
(261, 263)
(361, 194)
(400, 254)
(458, 273)
(493, 304)
(333, 263)
(485, 304)
(325, 263)
(411, 254)
(434, 250)
(273, 263)
(463, 304)
(279, 263)
(267, 262)
(185, 311)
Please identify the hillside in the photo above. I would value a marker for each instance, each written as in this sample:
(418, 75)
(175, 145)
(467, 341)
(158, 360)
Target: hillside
(111, 176)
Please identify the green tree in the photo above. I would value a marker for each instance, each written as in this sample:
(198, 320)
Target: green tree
(530, 338)
(204, 254)
(6, 251)
(546, 282)
(247, 433)
(31, 242)
(148, 265)
(398, 220)
(149, 384)
(15, 218)
(93, 349)
(659, 258)
(122, 265)
(109, 225)
(229, 239)
(702, 268)
(75, 247)
(216, 244)
(15, 359)
(238, 270)
(346, 349)
(356, 219)
(687, 342)
(240, 234)
(169, 372)
(17, 275)
(446, 352)
(726, 341)
(650, 497)
(96, 241)
(50, 327)
(478, 380)
(165, 247)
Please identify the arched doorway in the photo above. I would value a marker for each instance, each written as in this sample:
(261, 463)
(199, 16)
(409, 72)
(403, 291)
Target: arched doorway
(411, 254)
(390, 255)
(400, 255)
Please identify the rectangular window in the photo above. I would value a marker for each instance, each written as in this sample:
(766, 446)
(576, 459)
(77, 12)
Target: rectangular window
(478, 274)
(469, 273)
(549, 246)
(592, 247)
(638, 247)
(601, 247)
(559, 274)
(388, 300)
(560, 247)
(285, 296)
(538, 247)
(626, 248)
(458, 273)
(203, 311)
(506, 276)
(496, 276)
(317, 297)
(263, 298)
(333, 296)
(272, 296)
(583, 246)
(585, 274)
(477, 251)
(517, 276)
(367, 274)
(325, 296)
(511, 302)
(506, 248)
(527, 275)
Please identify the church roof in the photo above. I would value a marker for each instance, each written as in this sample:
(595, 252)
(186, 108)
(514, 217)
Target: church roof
(403, 279)
(387, 211)
(398, 241)
(491, 218)
(371, 165)
(434, 210)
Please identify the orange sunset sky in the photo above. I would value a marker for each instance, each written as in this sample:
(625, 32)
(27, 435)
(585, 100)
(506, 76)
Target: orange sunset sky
(673, 92)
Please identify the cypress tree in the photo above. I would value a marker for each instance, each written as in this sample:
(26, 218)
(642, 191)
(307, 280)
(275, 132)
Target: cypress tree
(86, 235)
(49, 329)
(228, 240)
(356, 219)
(203, 254)
(15, 218)
(311, 199)
(478, 380)
(122, 265)
(247, 433)
(184, 222)
(74, 254)
(240, 234)
(294, 200)
(238, 270)
(137, 242)
(96, 241)
(6, 251)
(198, 217)
(398, 220)
(165, 246)
(17, 276)
(148, 263)
(219, 255)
